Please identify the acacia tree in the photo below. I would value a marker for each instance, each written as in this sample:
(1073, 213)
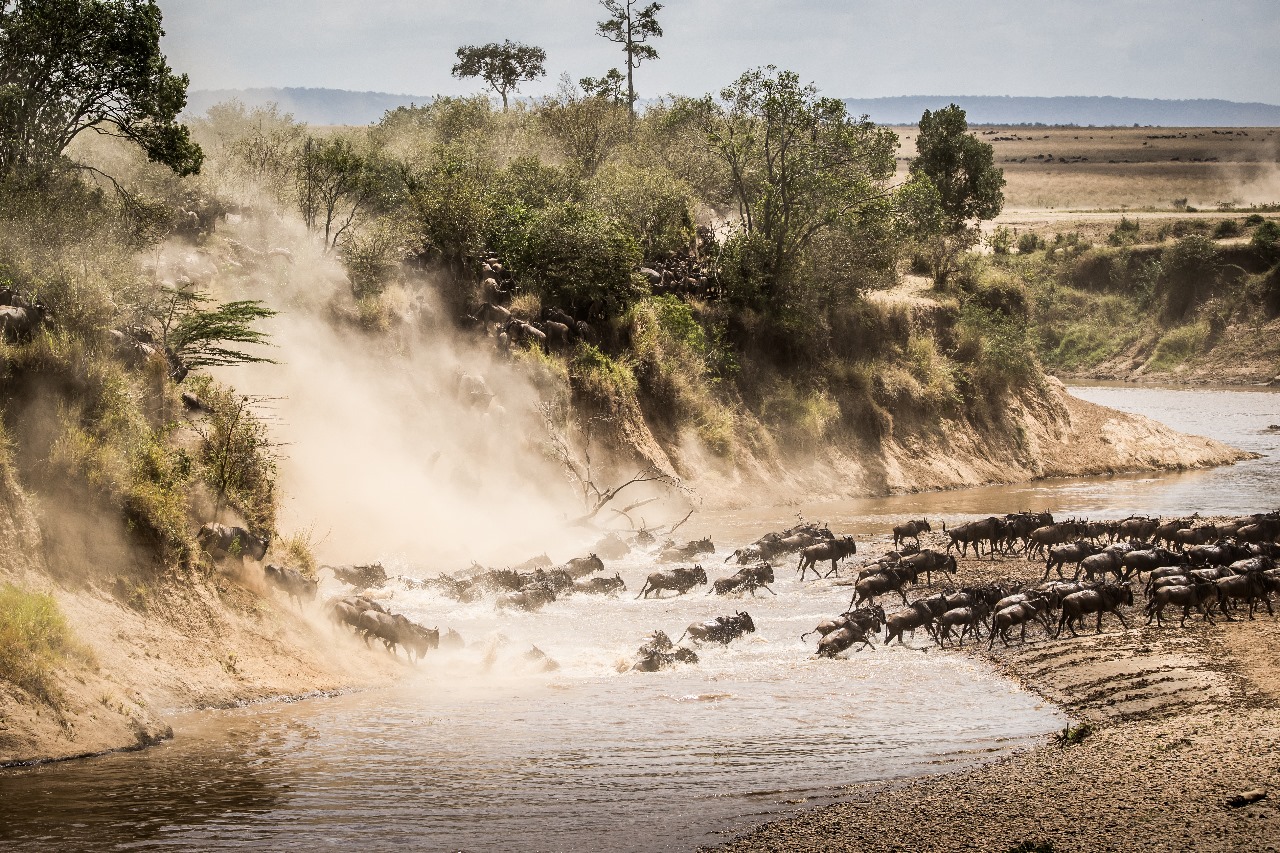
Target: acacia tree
(631, 28)
(503, 66)
(955, 185)
(799, 167)
(67, 66)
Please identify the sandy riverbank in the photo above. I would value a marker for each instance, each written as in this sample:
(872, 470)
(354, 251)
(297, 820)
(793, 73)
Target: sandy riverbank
(1183, 720)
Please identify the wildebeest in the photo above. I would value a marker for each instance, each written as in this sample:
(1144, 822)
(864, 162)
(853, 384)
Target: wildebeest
(673, 554)
(916, 615)
(1105, 599)
(888, 580)
(600, 586)
(1188, 595)
(1062, 554)
(533, 597)
(658, 652)
(833, 550)
(927, 562)
(747, 579)
(395, 630)
(968, 619)
(869, 619)
(722, 629)
(1137, 527)
(1148, 559)
(370, 576)
(1249, 586)
(19, 324)
(1165, 531)
(910, 530)
(785, 542)
(843, 638)
(1189, 536)
(1019, 613)
(292, 582)
(220, 541)
(580, 567)
(681, 580)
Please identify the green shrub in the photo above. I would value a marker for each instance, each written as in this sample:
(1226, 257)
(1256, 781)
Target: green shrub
(597, 375)
(1178, 346)
(34, 639)
(1000, 240)
(1125, 233)
(1226, 228)
(1266, 241)
(1029, 242)
(1254, 219)
(1190, 273)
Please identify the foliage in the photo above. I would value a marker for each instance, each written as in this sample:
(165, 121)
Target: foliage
(502, 66)
(585, 128)
(1266, 241)
(570, 254)
(260, 144)
(632, 28)
(198, 336)
(1191, 267)
(1000, 241)
(967, 187)
(650, 204)
(799, 167)
(337, 183)
(599, 376)
(1125, 233)
(607, 86)
(67, 66)
(1178, 345)
(1029, 242)
(34, 639)
(236, 455)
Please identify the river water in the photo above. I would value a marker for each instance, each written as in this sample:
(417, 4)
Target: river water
(480, 750)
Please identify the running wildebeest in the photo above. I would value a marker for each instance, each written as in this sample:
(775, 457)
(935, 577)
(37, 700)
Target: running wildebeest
(292, 582)
(681, 580)
(1105, 599)
(747, 579)
(658, 652)
(910, 530)
(220, 541)
(600, 586)
(687, 552)
(722, 629)
(843, 638)
(833, 550)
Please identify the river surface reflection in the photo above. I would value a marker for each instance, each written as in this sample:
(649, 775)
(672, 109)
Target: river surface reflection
(476, 751)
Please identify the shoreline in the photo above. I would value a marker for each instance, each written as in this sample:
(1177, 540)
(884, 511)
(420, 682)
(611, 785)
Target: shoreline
(1181, 720)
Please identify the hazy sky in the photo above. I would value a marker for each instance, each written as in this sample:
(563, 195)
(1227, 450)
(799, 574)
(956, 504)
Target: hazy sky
(857, 48)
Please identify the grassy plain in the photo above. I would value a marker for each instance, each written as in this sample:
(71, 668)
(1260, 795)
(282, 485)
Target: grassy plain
(1139, 168)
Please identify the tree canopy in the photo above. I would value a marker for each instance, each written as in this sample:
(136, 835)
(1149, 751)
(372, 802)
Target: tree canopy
(503, 66)
(631, 28)
(67, 66)
(798, 165)
(954, 185)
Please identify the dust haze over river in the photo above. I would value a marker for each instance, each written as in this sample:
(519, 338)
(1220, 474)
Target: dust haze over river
(478, 751)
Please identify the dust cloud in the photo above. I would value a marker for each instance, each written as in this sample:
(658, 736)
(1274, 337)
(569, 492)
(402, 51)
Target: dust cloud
(389, 450)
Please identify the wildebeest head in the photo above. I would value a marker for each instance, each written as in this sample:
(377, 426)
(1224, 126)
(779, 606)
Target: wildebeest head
(745, 622)
(699, 574)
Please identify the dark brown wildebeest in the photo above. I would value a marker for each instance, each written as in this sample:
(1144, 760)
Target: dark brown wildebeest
(1099, 565)
(747, 579)
(1019, 613)
(1189, 536)
(658, 652)
(843, 638)
(600, 586)
(916, 615)
(533, 597)
(674, 554)
(1164, 532)
(1147, 560)
(292, 582)
(395, 630)
(868, 619)
(220, 541)
(722, 629)
(580, 567)
(910, 530)
(968, 619)
(1194, 593)
(681, 580)
(1064, 554)
(989, 530)
(833, 550)
(1105, 599)
(927, 562)
(1138, 527)
(1250, 587)
(889, 580)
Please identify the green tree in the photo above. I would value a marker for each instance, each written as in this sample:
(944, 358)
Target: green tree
(608, 87)
(503, 66)
(587, 128)
(194, 336)
(67, 66)
(336, 184)
(631, 28)
(799, 166)
(966, 186)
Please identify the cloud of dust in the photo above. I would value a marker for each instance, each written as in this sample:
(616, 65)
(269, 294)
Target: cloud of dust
(383, 455)
(1252, 181)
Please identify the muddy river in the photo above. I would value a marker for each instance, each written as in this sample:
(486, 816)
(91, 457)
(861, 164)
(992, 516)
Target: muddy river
(479, 750)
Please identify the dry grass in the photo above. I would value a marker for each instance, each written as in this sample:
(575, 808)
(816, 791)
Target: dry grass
(1109, 168)
(34, 639)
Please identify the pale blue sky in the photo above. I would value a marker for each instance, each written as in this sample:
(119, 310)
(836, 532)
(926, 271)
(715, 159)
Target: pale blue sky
(861, 48)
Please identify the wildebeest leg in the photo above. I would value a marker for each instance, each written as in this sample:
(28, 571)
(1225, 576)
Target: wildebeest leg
(902, 592)
(762, 586)
(1119, 616)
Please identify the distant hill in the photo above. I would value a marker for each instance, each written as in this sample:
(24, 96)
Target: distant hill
(339, 106)
(988, 109)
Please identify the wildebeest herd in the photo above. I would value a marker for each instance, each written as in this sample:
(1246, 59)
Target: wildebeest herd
(1217, 569)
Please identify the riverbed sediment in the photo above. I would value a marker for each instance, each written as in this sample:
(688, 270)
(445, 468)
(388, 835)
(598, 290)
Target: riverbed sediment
(1181, 723)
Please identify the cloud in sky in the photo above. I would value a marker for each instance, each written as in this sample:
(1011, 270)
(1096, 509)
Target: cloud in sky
(850, 48)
